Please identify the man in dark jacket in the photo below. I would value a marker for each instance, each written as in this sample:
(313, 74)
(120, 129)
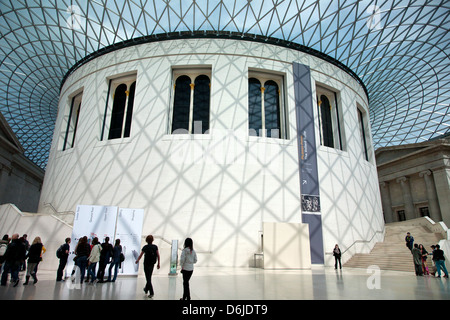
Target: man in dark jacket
(14, 257)
(63, 256)
(439, 260)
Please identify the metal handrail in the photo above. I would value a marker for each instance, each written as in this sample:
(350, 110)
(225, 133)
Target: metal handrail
(360, 241)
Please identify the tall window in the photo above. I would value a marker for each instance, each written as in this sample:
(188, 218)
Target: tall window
(329, 119)
(72, 122)
(265, 114)
(191, 101)
(361, 120)
(119, 108)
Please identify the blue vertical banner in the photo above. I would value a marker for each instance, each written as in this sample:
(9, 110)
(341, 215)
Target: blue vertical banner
(307, 156)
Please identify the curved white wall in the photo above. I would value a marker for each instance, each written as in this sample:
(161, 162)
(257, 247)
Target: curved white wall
(217, 188)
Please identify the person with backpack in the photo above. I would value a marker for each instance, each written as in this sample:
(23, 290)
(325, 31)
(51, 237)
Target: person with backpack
(14, 258)
(62, 254)
(105, 257)
(3, 245)
(151, 256)
(115, 261)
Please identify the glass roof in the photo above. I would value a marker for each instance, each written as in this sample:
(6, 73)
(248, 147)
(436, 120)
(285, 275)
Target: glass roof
(399, 49)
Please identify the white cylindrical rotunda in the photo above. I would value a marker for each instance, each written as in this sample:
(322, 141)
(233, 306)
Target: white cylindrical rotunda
(207, 135)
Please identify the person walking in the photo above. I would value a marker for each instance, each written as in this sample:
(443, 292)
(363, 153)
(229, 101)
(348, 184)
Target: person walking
(14, 258)
(409, 239)
(63, 255)
(115, 261)
(187, 260)
(337, 257)
(151, 256)
(417, 258)
(94, 257)
(34, 257)
(439, 260)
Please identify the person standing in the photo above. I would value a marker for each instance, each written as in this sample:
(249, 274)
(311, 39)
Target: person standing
(439, 260)
(417, 258)
(424, 253)
(151, 256)
(105, 256)
(64, 250)
(187, 260)
(14, 258)
(337, 257)
(94, 257)
(409, 239)
(82, 251)
(34, 257)
(115, 261)
(3, 246)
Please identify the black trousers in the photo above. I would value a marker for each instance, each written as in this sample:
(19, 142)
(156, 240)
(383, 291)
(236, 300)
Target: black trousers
(148, 270)
(62, 265)
(336, 260)
(186, 277)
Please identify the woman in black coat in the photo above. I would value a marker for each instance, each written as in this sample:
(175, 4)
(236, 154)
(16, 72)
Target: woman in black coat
(34, 257)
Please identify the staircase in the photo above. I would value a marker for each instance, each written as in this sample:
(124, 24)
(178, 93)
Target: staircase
(392, 254)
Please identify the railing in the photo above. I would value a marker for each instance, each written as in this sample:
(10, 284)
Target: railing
(61, 216)
(360, 241)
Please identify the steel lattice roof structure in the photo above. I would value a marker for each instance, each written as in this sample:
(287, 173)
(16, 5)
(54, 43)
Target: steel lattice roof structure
(399, 49)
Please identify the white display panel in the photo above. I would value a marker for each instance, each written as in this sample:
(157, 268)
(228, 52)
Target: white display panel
(129, 231)
(113, 222)
(92, 221)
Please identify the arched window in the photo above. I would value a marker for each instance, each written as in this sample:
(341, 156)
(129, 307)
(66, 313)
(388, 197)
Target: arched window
(181, 105)
(129, 110)
(119, 108)
(118, 111)
(362, 125)
(265, 112)
(327, 123)
(191, 102)
(201, 103)
(272, 109)
(254, 107)
(330, 131)
(72, 122)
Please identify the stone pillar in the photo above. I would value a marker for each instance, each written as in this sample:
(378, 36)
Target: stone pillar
(442, 184)
(433, 204)
(386, 202)
(407, 198)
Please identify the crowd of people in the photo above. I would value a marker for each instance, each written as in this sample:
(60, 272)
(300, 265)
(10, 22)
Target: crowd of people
(16, 254)
(420, 258)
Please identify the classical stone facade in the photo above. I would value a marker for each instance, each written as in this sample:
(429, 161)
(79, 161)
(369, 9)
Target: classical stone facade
(20, 179)
(415, 180)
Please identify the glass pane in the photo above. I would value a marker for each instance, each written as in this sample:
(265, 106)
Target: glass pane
(327, 124)
(180, 119)
(129, 109)
(201, 104)
(272, 109)
(254, 107)
(120, 97)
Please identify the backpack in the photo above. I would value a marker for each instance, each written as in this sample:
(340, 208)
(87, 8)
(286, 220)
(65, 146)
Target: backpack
(3, 247)
(59, 252)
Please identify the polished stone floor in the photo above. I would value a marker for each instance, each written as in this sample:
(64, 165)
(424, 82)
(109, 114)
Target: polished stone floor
(321, 283)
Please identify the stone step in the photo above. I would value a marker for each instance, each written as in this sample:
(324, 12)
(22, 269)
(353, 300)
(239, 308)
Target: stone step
(392, 253)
